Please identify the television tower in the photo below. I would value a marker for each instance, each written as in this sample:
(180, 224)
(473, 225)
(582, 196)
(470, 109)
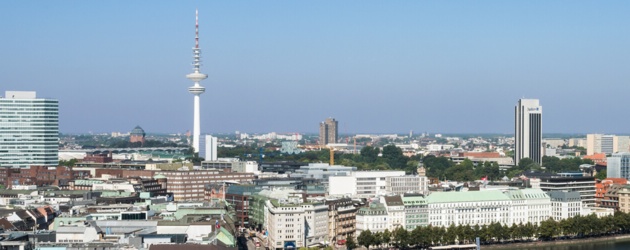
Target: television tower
(196, 89)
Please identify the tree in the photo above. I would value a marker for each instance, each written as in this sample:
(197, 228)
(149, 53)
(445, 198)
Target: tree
(548, 229)
(436, 166)
(68, 163)
(366, 239)
(394, 157)
(378, 239)
(386, 237)
(401, 238)
(601, 175)
(369, 154)
(525, 164)
(350, 244)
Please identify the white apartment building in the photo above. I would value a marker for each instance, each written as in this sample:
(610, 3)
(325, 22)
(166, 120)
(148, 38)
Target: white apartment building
(29, 130)
(395, 211)
(361, 184)
(285, 222)
(316, 223)
(398, 185)
(373, 218)
(565, 204)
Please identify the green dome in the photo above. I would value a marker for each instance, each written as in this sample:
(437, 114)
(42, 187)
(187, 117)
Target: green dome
(137, 131)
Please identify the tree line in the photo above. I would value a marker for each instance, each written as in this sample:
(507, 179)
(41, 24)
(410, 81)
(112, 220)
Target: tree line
(425, 237)
(392, 158)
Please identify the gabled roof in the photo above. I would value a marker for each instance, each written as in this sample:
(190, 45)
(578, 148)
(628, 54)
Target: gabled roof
(7, 225)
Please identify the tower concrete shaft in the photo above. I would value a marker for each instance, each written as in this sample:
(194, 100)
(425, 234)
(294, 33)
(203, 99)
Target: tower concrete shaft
(196, 89)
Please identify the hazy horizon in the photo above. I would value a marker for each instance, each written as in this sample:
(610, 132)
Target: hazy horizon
(444, 66)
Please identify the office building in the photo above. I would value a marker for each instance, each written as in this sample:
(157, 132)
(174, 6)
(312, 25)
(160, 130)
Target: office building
(362, 184)
(397, 185)
(528, 131)
(208, 148)
(618, 166)
(285, 224)
(328, 131)
(607, 144)
(584, 185)
(565, 204)
(29, 130)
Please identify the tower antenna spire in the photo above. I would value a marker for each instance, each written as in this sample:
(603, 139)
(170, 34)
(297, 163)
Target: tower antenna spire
(196, 28)
(196, 89)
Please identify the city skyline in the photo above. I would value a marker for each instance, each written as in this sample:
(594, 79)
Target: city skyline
(379, 68)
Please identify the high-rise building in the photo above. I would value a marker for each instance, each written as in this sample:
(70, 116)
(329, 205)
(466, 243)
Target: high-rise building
(618, 165)
(196, 89)
(29, 130)
(528, 130)
(328, 131)
(208, 148)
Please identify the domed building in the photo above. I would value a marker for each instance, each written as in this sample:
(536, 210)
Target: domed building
(137, 135)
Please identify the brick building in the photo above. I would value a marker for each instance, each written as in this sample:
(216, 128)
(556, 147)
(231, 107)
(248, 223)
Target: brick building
(39, 175)
(98, 158)
(185, 185)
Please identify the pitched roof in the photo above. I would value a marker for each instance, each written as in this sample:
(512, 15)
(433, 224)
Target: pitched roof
(393, 200)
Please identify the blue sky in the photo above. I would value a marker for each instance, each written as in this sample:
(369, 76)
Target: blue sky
(284, 66)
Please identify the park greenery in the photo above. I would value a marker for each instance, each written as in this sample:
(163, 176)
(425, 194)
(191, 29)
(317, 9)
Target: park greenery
(392, 158)
(495, 233)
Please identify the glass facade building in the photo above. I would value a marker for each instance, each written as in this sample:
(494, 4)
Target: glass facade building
(29, 130)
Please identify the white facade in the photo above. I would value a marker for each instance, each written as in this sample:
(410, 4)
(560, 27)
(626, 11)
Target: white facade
(285, 223)
(565, 205)
(485, 207)
(29, 130)
(395, 212)
(528, 130)
(529, 205)
(468, 208)
(316, 219)
(608, 144)
(208, 148)
(397, 185)
(621, 144)
(373, 218)
(362, 184)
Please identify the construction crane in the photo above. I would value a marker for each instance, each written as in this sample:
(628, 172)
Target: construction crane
(332, 155)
